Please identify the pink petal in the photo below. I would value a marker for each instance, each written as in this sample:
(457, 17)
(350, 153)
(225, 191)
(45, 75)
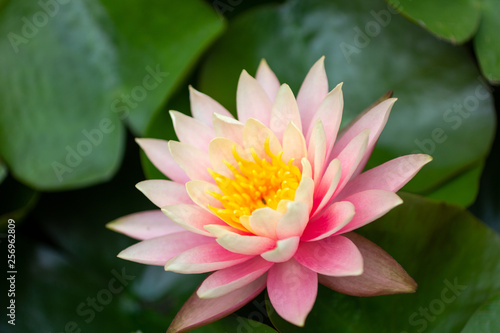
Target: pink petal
(382, 275)
(232, 278)
(159, 154)
(255, 135)
(193, 161)
(197, 312)
(294, 145)
(370, 205)
(229, 128)
(304, 192)
(203, 107)
(330, 114)
(185, 126)
(293, 222)
(220, 151)
(284, 111)
(145, 225)
(312, 92)
(292, 290)
(198, 192)
(204, 258)
(327, 186)
(263, 222)
(191, 217)
(251, 100)
(390, 176)
(267, 80)
(157, 251)
(164, 192)
(242, 244)
(333, 256)
(317, 151)
(285, 249)
(374, 119)
(350, 157)
(328, 222)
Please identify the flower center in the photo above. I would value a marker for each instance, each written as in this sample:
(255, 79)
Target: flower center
(257, 184)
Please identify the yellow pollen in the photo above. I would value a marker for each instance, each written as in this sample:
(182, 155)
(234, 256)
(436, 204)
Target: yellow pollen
(256, 184)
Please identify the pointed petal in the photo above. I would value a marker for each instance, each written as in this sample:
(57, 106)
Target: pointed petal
(285, 249)
(197, 312)
(333, 256)
(242, 244)
(293, 222)
(198, 192)
(255, 135)
(329, 221)
(292, 290)
(232, 278)
(305, 192)
(284, 111)
(193, 161)
(229, 128)
(157, 251)
(267, 80)
(390, 176)
(350, 157)
(263, 222)
(330, 114)
(220, 151)
(251, 100)
(382, 275)
(317, 151)
(294, 145)
(145, 225)
(203, 107)
(312, 92)
(164, 192)
(374, 119)
(327, 186)
(370, 205)
(204, 258)
(191, 217)
(191, 131)
(158, 153)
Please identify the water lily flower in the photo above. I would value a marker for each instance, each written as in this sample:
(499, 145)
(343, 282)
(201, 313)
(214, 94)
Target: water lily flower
(269, 200)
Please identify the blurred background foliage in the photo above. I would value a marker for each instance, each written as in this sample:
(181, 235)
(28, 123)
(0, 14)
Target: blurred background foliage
(80, 79)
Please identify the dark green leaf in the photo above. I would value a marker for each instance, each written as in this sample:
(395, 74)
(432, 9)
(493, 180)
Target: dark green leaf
(486, 319)
(454, 20)
(487, 41)
(71, 70)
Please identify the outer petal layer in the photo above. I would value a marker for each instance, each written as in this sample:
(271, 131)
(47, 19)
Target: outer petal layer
(292, 289)
(158, 153)
(333, 256)
(230, 279)
(157, 251)
(382, 275)
(145, 225)
(197, 312)
(204, 258)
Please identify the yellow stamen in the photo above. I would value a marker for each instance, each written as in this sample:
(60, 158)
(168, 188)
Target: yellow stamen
(256, 184)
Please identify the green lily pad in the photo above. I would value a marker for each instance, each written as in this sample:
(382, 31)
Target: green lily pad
(442, 109)
(72, 70)
(486, 319)
(487, 41)
(454, 258)
(441, 17)
(458, 21)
